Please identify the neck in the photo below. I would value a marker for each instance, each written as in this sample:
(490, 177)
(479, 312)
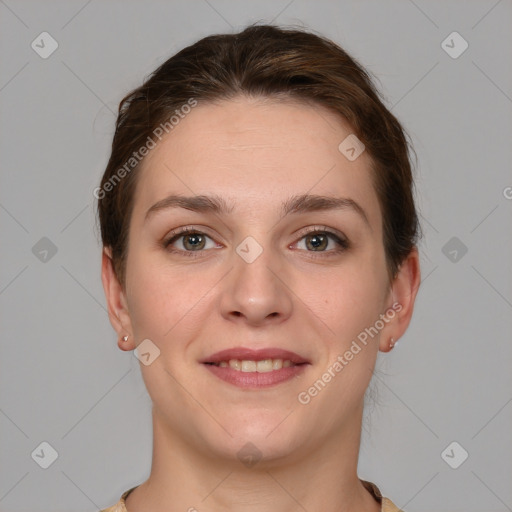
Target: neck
(184, 478)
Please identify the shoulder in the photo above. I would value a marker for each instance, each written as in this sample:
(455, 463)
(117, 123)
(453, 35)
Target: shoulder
(120, 505)
(389, 506)
(386, 504)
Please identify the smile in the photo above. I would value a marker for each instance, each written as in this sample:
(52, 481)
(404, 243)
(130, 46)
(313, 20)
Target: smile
(263, 366)
(249, 374)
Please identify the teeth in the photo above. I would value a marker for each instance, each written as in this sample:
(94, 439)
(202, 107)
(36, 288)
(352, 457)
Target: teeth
(265, 365)
(236, 365)
(249, 366)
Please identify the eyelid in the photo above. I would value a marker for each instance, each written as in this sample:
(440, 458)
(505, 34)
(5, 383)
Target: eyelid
(339, 238)
(317, 228)
(176, 233)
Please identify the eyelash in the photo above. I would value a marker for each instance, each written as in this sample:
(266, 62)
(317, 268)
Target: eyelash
(342, 242)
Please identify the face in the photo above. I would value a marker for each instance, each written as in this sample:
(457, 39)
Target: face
(262, 271)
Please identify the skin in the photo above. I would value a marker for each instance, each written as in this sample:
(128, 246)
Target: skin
(255, 154)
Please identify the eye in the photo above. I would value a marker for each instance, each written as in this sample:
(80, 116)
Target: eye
(188, 240)
(322, 240)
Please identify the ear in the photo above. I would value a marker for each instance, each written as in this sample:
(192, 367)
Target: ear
(116, 302)
(402, 295)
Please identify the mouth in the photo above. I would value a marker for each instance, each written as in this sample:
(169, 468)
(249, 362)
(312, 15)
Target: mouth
(260, 366)
(248, 368)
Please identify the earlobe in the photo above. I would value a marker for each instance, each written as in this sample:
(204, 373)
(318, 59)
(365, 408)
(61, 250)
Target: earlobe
(116, 302)
(123, 343)
(403, 293)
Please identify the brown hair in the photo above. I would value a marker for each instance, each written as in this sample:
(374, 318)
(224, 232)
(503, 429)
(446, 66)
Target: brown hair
(265, 61)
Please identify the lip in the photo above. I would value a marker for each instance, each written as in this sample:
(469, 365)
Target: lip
(255, 380)
(248, 354)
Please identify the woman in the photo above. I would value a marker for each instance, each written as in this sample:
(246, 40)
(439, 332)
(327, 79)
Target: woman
(260, 247)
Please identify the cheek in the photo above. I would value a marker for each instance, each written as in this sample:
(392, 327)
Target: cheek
(158, 297)
(167, 302)
(349, 299)
(350, 307)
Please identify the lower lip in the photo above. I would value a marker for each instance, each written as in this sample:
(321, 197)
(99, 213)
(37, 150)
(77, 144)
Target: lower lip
(255, 379)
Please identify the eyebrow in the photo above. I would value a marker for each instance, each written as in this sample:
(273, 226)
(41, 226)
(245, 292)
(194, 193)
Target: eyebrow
(303, 203)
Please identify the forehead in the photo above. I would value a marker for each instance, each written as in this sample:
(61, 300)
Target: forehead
(256, 152)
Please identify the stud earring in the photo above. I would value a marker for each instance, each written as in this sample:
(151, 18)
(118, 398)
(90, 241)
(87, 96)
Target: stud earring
(392, 343)
(125, 338)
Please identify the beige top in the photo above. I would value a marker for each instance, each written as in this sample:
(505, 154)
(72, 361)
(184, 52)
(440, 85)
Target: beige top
(386, 504)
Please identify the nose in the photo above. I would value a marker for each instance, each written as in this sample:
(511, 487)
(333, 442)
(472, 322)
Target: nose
(256, 293)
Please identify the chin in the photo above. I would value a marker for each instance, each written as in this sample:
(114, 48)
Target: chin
(262, 438)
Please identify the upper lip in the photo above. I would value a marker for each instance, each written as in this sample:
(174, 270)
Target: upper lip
(247, 354)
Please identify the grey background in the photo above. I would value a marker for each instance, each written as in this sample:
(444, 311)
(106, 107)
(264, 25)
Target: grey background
(62, 378)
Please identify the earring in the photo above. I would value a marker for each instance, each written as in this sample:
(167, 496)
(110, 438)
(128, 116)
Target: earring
(125, 338)
(392, 343)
